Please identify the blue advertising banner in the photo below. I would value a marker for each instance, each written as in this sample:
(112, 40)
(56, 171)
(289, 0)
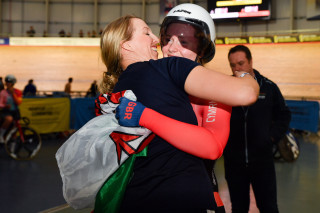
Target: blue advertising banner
(4, 41)
(304, 115)
(82, 110)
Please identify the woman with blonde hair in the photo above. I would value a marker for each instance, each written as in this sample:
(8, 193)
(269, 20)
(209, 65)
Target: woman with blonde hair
(172, 177)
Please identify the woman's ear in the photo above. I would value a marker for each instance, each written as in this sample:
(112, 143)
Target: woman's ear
(126, 45)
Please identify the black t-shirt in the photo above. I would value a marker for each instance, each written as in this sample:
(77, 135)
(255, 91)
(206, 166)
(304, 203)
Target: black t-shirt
(167, 179)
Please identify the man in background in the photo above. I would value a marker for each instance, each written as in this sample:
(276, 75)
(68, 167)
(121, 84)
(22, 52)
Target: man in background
(248, 156)
(31, 32)
(30, 89)
(67, 88)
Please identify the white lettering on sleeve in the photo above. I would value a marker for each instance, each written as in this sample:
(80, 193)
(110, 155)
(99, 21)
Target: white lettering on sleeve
(212, 111)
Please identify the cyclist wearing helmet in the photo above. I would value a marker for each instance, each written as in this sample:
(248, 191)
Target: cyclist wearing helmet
(193, 28)
(188, 31)
(10, 98)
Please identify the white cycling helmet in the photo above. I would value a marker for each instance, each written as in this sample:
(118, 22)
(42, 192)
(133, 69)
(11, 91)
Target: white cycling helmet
(10, 79)
(200, 18)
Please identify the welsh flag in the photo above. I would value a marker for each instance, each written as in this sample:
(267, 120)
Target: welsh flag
(96, 162)
(109, 197)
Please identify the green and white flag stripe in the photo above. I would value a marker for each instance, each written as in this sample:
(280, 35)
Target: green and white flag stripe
(111, 193)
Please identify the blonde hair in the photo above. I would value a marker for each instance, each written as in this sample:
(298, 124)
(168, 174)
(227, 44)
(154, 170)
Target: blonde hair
(112, 36)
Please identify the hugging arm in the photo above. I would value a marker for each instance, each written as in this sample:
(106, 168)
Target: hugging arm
(215, 117)
(195, 140)
(211, 85)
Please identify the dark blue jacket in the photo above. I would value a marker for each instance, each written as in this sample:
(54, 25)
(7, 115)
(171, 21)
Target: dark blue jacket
(254, 129)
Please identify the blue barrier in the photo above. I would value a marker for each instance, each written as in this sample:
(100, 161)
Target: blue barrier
(4, 41)
(304, 115)
(82, 110)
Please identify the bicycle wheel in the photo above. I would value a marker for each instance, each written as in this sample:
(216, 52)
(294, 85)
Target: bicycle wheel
(26, 150)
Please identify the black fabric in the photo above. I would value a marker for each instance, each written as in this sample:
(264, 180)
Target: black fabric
(263, 180)
(209, 164)
(167, 179)
(268, 118)
(14, 113)
(249, 151)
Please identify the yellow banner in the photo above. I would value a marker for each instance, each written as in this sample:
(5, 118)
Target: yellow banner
(240, 40)
(260, 39)
(312, 37)
(47, 114)
(285, 39)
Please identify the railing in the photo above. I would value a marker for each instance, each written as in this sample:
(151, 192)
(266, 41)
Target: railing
(50, 93)
(302, 98)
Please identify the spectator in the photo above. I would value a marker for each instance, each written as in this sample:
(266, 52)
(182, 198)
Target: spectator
(30, 89)
(1, 84)
(10, 98)
(67, 88)
(62, 33)
(69, 34)
(248, 156)
(92, 92)
(31, 32)
(94, 34)
(45, 34)
(81, 33)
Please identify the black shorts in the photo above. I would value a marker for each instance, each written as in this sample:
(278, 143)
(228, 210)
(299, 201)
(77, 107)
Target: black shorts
(5, 112)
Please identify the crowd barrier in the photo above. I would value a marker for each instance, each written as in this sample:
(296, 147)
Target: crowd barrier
(47, 115)
(304, 115)
(62, 114)
(82, 110)
(57, 114)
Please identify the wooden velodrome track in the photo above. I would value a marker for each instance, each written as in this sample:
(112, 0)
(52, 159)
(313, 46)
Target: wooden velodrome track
(295, 67)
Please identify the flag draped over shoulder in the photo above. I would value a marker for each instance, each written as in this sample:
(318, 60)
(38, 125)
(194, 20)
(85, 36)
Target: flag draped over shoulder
(101, 153)
(111, 193)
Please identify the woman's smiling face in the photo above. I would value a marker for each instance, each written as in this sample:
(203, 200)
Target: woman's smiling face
(143, 42)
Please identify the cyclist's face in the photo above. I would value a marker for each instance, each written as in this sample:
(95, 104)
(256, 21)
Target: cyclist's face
(9, 85)
(179, 40)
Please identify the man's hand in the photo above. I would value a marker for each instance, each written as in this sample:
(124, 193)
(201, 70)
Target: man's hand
(129, 112)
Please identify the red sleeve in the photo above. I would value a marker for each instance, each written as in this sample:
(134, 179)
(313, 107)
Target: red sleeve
(216, 118)
(17, 96)
(189, 138)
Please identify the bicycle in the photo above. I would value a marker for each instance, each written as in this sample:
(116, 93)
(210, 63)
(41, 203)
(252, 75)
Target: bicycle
(21, 141)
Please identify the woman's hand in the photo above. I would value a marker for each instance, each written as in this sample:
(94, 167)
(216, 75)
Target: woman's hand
(129, 112)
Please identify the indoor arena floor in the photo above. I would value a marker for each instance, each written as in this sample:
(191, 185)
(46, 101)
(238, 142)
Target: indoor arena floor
(35, 186)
